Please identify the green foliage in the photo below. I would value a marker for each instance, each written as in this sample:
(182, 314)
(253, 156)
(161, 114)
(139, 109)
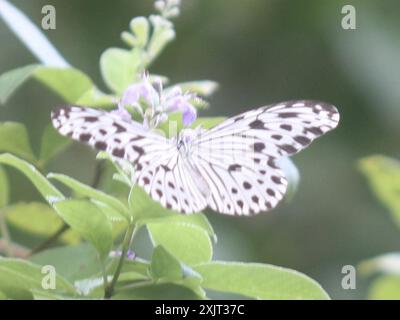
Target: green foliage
(14, 139)
(18, 278)
(181, 265)
(89, 221)
(5, 193)
(119, 68)
(385, 288)
(383, 175)
(39, 219)
(187, 242)
(259, 281)
(52, 144)
(11, 80)
(47, 190)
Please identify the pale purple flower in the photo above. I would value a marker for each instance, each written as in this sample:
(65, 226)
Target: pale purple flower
(158, 103)
(181, 104)
(130, 255)
(144, 90)
(122, 113)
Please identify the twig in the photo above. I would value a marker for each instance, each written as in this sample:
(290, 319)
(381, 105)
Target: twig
(16, 250)
(46, 243)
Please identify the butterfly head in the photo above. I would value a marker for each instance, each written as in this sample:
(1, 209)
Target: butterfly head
(186, 137)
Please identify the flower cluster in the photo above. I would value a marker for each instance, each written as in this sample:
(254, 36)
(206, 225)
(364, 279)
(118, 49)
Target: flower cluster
(153, 103)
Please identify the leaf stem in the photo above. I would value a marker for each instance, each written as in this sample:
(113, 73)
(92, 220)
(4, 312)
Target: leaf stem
(129, 235)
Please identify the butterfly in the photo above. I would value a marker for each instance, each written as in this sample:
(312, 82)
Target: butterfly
(231, 168)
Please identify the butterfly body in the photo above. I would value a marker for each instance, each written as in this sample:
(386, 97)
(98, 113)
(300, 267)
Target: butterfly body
(231, 168)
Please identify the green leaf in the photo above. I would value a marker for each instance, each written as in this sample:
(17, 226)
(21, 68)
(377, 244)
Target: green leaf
(163, 33)
(383, 175)
(187, 242)
(120, 68)
(87, 191)
(143, 207)
(14, 139)
(16, 274)
(96, 99)
(52, 144)
(47, 190)
(140, 27)
(38, 219)
(260, 281)
(166, 268)
(4, 193)
(31, 36)
(89, 221)
(12, 80)
(69, 83)
(207, 123)
(198, 219)
(165, 291)
(72, 262)
(164, 265)
(385, 288)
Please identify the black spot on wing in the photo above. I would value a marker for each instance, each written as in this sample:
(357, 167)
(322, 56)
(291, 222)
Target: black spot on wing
(234, 167)
(304, 141)
(118, 152)
(287, 115)
(85, 137)
(91, 119)
(101, 145)
(138, 149)
(286, 127)
(259, 146)
(314, 130)
(246, 185)
(288, 148)
(256, 124)
(276, 137)
(119, 127)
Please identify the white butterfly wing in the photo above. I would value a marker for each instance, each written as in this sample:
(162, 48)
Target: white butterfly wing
(277, 130)
(108, 132)
(159, 169)
(238, 157)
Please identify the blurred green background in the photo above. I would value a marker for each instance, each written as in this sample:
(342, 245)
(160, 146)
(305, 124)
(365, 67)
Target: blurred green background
(260, 52)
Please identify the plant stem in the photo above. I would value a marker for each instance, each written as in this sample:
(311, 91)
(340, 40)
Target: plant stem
(5, 233)
(46, 243)
(129, 235)
(103, 271)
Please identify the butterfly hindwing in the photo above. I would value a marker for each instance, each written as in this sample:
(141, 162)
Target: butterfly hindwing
(239, 156)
